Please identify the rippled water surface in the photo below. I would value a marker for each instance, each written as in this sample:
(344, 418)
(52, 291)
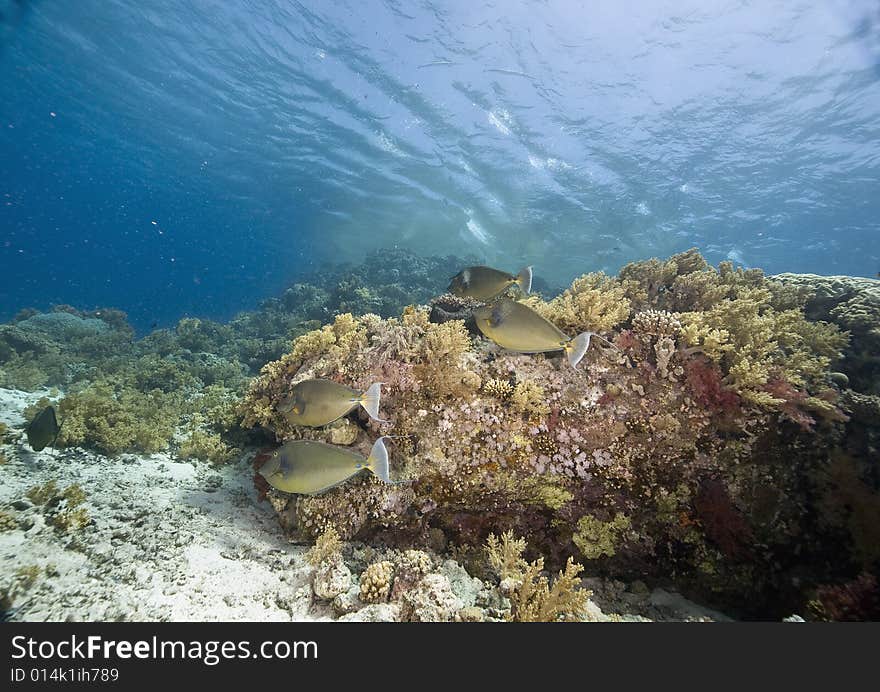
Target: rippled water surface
(173, 156)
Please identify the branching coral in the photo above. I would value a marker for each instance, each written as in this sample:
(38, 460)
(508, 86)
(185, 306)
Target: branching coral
(8, 521)
(206, 446)
(594, 302)
(327, 547)
(63, 508)
(505, 554)
(115, 421)
(536, 600)
(500, 389)
(376, 582)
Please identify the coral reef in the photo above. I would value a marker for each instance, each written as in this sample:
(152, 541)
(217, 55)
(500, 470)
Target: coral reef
(853, 304)
(854, 601)
(150, 394)
(692, 449)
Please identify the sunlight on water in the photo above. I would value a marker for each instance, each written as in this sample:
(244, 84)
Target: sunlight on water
(267, 136)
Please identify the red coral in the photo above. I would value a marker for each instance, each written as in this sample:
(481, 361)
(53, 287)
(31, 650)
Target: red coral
(705, 383)
(722, 522)
(553, 418)
(793, 401)
(627, 341)
(855, 601)
(261, 484)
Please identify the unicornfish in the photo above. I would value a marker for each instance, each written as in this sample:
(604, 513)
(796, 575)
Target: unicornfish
(318, 402)
(485, 283)
(517, 327)
(43, 429)
(307, 467)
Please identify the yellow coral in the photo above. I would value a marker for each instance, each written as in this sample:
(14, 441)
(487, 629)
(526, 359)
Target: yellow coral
(500, 389)
(595, 538)
(536, 600)
(118, 421)
(7, 521)
(376, 582)
(531, 398)
(505, 554)
(441, 368)
(327, 546)
(41, 494)
(593, 302)
(207, 446)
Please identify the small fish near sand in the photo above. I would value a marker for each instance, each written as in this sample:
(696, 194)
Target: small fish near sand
(517, 327)
(314, 403)
(306, 467)
(485, 283)
(43, 429)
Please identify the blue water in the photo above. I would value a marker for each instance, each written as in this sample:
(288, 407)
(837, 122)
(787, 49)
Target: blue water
(180, 157)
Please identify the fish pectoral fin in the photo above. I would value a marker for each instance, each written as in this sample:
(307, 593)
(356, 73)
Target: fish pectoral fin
(57, 433)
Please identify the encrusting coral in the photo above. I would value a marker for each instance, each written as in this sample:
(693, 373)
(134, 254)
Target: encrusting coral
(715, 378)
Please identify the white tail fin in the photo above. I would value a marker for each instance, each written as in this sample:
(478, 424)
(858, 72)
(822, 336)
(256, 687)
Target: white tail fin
(524, 279)
(370, 401)
(577, 347)
(378, 461)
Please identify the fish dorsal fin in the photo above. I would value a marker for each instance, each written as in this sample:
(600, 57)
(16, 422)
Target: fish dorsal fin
(501, 310)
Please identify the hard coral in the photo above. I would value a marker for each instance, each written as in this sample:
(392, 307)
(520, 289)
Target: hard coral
(376, 582)
(594, 302)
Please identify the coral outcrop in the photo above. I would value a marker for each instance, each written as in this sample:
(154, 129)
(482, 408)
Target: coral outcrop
(692, 443)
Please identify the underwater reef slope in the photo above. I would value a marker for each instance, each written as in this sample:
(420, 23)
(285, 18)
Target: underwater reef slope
(152, 537)
(716, 445)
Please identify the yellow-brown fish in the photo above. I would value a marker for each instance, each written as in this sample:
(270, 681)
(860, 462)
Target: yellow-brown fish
(307, 467)
(517, 327)
(485, 283)
(318, 402)
(43, 429)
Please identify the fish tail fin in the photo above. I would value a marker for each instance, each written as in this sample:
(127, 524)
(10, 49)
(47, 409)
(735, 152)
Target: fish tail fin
(577, 347)
(57, 433)
(378, 460)
(524, 279)
(370, 401)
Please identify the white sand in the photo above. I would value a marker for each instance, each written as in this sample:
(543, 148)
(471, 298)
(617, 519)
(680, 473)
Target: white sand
(169, 540)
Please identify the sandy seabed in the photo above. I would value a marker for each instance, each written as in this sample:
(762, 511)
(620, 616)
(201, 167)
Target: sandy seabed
(168, 540)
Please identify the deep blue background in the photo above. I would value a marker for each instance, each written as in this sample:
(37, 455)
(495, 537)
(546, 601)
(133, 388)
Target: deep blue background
(194, 156)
